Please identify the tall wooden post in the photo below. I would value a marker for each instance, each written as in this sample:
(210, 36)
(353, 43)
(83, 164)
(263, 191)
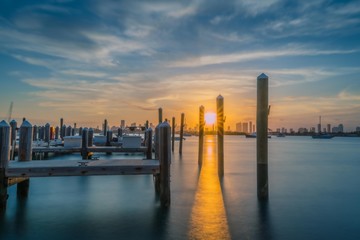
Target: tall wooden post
(57, 132)
(4, 160)
(149, 143)
(47, 133)
(160, 115)
(62, 133)
(220, 134)
(262, 136)
(201, 133)
(35, 133)
(156, 141)
(80, 131)
(68, 131)
(105, 126)
(25, 154)
(146, 124)
(173, 135)
(13, 126)
(165, 161)
(181, 133)
(84, 143)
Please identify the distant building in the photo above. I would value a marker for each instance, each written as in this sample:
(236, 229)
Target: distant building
(238, 127)
(229, 128)
(122, 123)
(250, 127)
(341, 128)
(319, 128)
(358, 129)
(245, 128)
(302, 130)
(292, 131)
(278, 130)
(329, 128)
(312, 129)
(335, 130)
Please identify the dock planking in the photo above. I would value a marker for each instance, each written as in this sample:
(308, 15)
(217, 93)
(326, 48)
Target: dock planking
(90, 149)
(54, 168)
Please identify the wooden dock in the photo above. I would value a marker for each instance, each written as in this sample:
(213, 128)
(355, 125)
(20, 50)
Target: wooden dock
(18, 172)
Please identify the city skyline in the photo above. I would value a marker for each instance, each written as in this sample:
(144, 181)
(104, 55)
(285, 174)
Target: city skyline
(90, 60)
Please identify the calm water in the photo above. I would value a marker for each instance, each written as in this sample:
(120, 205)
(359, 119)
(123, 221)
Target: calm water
(314, 194)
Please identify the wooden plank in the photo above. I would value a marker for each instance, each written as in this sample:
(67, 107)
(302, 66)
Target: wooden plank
(90, 149)
(50, 168)
(13, 181)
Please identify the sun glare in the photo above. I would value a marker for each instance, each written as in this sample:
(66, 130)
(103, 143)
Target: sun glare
(210, 118)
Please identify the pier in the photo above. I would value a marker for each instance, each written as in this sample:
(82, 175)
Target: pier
(18, 172)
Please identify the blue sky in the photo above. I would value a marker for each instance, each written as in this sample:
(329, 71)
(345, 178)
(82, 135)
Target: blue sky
(90, 60)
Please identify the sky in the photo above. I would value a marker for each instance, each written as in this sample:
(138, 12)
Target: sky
(90, 60)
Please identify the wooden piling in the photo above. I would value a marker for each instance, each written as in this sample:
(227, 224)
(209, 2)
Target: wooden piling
(146, 124)
(47, 132)
(13, 126)
(120, 132)
(62, 134)
(156, 141)
(80, 131)
(57, 132)
(105, 127)
(25, 154)
(262, 136)
(41, 133)
(149, 143)
(4, 160)
(173, 135)
(35, 133)
(201, 133)
(84, 144)
(68, 131)
(181, 133)
(160, 115)
(165, 161)
(220, 134)
(108, 140)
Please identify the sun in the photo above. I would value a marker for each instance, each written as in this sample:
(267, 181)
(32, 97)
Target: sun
(210, 118)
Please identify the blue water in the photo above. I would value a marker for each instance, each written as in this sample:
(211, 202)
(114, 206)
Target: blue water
(313, 194)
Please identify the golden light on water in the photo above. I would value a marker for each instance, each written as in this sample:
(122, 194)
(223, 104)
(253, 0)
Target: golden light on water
(208, 216)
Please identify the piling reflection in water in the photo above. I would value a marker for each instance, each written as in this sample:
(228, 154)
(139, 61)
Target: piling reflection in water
(208, 216)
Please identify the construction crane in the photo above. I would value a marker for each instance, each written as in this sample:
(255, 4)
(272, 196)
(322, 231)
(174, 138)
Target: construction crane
(10, 111)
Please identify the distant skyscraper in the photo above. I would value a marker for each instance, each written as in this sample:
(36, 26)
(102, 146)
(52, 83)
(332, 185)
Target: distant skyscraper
(319, 128)
(245, 128)
(238, 127)
(341, 128)
(122, 123)
(329, 128)
(250, 127)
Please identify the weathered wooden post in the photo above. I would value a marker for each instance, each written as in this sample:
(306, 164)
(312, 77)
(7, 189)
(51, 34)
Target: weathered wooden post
(35, 133)
(57, 133)
(181, 133)
(4, 160)
(13, 126)
(84, 143)
(25, 154)
(108, 140)
(62, 134)
(68, 131)
(156, 141)
(74, 130)
(41, 133)
(165, 161)
(120, 132)
(149, 143)
(160, 115)
(262, 136)
(80, 131)
(173, 135)
(220, 134)
(90, 137)
(105, 126)
(47, 132)
(201, 133)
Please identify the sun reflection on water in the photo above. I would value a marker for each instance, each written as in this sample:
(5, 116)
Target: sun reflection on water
(208, 216)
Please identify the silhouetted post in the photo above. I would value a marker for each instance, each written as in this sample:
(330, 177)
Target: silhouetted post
(57, 133)
(62, 134)
(35, 133)
(90, 137)
(84, 143)
(146, 124)
(173, 135)
(160, 115)
(220, 134)
(201, 133)
(4, 160)
(120, 132)
(262, 136)
(68, 131)
(156, 141)
(149, 143)
(25, 154)
(52, 130)
(105, 126)
(80, 131)
(41, 133)
(47, 133)
(13, 126)
(181, 133)
(108, 140)
(165, 161)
